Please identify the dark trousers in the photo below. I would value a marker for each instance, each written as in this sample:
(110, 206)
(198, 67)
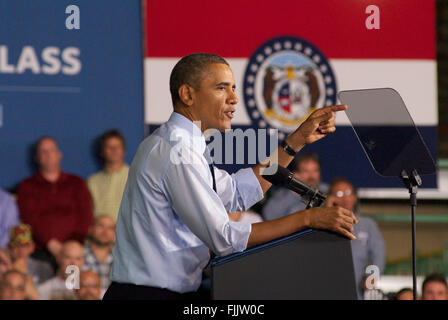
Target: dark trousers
(129, 291)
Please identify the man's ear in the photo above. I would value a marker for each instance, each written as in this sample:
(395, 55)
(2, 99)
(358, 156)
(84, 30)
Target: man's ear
(186, 94)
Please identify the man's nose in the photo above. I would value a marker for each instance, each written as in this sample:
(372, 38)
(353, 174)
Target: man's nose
(233, 99)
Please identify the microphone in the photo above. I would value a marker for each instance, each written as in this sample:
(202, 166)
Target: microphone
(285, 178)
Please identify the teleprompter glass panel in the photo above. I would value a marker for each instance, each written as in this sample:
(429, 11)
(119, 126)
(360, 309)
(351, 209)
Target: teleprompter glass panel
(387, 132)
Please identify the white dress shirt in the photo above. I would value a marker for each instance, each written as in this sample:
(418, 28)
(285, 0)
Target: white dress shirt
(170, 215)
(55, 289)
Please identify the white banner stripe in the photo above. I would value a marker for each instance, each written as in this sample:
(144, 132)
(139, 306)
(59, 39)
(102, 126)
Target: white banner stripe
(415, 80)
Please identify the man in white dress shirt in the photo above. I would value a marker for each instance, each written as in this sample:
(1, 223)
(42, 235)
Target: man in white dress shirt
(175, 204)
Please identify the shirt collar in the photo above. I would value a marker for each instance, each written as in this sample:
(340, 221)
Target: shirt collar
(40, 177)
(192, 131)
(117, 172)
(88, 250)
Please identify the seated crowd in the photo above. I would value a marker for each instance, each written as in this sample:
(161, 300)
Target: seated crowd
(56, 240)
(59, 221)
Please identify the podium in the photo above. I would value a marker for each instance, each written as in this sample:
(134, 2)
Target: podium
(309, 264)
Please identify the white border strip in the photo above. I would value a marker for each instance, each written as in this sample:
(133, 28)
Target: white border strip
(415, 80)
(402, 193)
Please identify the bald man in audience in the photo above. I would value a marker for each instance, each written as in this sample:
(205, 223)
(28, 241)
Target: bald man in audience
(89, 286)
(12, 286)
(71, 255)
(56, 204)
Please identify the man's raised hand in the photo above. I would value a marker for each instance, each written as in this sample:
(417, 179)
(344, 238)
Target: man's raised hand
(320, 123)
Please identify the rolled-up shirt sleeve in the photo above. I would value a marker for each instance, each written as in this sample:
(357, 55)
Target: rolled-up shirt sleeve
(238, 191)
(201, 209)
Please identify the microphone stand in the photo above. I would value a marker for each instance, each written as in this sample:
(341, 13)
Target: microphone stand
(316, 199)
(412, 182)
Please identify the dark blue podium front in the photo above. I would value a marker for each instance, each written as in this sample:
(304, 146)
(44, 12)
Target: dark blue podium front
(310, 264)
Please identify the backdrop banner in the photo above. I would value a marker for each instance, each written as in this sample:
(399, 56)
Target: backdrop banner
(292, 57)
(70, 70)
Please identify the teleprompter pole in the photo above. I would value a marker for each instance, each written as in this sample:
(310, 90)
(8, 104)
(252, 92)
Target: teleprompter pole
(412, 182)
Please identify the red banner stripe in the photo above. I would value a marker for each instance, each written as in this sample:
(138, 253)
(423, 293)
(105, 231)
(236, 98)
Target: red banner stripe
(235, 28)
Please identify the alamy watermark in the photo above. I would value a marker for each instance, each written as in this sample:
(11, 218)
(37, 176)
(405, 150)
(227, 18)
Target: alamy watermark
(73, 21)
(373, 20)
(373, 276)
(227, 148)
(371, 283)
(72, 279)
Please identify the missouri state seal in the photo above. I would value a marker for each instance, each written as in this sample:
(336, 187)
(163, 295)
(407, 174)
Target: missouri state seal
(286, 79)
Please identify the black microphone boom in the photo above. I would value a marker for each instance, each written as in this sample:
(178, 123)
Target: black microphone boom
(285, 178)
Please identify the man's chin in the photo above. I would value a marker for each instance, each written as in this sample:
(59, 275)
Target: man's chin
(228, 126)
(224, 128)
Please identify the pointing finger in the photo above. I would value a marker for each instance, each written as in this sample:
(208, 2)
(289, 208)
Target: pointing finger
(327, 130)
(322, 118)
(338, 107)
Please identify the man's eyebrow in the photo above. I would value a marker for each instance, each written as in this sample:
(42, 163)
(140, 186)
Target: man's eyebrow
(225, 84)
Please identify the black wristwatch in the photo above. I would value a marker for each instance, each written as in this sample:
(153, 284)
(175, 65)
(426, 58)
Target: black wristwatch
(288, 149)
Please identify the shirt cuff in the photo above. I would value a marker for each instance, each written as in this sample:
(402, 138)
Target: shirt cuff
(239, 235)
(249, 187)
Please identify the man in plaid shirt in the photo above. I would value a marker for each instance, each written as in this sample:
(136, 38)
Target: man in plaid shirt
(98, 250)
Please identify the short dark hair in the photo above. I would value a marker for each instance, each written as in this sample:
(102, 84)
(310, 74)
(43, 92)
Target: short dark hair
(401, 291)
(337, 180)
(189, 71)
(113, 133)
(434, 277)
(303, 157)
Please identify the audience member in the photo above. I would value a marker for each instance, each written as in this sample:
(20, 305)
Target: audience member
(12, 286)
(107, 186)
(405, 294)
(15, 285)
(435, 287)
(5, 262)
(368, 248)
(71, 254)
(56, 204)
(21, 246)
(98, 250)
(306, 167)
(89, 286)
(9, 216)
